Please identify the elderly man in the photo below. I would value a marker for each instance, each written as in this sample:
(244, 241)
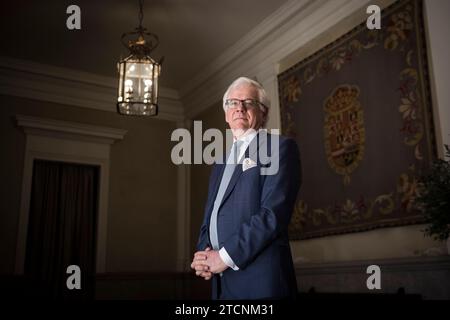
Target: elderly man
(243, 244)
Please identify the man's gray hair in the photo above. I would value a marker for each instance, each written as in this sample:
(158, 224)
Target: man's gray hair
(262, 94)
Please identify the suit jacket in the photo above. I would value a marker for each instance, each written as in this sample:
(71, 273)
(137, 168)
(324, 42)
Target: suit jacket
(252, 224)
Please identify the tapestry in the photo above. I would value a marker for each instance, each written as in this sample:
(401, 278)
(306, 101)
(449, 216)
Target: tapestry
(360, 111)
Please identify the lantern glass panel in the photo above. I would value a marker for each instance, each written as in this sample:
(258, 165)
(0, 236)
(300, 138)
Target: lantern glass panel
(138, 81)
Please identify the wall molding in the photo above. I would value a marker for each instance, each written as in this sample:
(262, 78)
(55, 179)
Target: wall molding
(36, 81)
(184, 254)
(64, 141)
(419, 263)
(424, 275)
(248, 41)
(66, 129)
(259, 53)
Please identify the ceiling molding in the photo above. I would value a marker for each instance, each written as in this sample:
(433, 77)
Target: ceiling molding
(247, 42)
(298, 24)
(71, 87)
(59, 128)
(260, 52)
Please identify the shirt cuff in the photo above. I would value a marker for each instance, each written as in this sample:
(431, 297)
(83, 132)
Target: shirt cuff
(227, 259)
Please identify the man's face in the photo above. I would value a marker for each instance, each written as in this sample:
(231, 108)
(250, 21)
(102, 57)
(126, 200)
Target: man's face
(240, 119)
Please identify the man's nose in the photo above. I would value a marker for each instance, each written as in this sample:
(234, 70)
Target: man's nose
(241, 107)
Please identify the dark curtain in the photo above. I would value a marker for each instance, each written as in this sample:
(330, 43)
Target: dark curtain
(62, 228)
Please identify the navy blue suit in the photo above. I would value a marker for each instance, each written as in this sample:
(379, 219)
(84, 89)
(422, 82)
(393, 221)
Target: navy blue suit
(252, 225)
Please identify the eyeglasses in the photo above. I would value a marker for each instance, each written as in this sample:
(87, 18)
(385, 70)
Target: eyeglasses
(247, 103)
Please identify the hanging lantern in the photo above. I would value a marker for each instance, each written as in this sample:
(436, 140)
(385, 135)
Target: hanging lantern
(139, 73)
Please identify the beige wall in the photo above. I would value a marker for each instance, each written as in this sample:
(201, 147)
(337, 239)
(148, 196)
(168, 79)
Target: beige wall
(211, 118)
(385, 243)
(142, 199)
(395, 242)
(438, 25)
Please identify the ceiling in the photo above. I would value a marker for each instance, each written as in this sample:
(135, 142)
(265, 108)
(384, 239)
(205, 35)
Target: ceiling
(192, 33)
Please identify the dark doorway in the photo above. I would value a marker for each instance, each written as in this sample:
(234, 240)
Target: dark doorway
(62, 228)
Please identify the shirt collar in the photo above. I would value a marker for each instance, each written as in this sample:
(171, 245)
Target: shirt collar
(247, 137)
(245, 142)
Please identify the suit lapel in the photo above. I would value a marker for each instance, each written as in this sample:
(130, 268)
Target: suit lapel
(234, 178)
(238, 170)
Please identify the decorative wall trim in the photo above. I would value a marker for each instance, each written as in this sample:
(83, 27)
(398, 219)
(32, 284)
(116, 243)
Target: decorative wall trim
(57, 128)
(36, 81)
(279, 17)
(259, 53)
(184, 253)
(55, 140)
(425, 275)
(421, 263)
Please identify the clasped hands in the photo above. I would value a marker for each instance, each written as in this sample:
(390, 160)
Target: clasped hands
(207, 262)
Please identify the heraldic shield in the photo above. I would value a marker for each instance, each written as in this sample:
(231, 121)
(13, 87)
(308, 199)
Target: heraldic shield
(344, 133)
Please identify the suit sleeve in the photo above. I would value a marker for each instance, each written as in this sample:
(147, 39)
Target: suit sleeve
(278, 196)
